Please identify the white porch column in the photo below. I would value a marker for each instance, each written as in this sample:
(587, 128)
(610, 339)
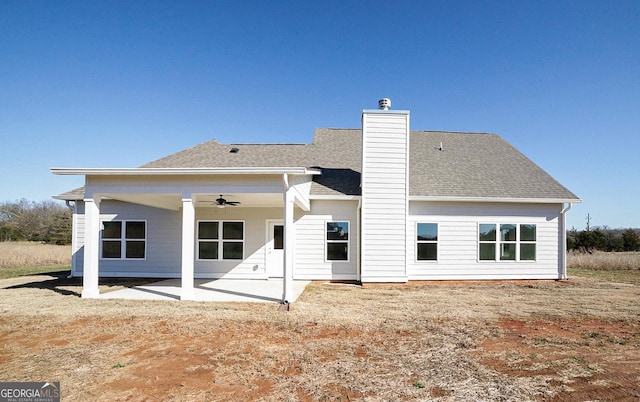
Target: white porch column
(289, 236)
(91, 248)
(188, 246)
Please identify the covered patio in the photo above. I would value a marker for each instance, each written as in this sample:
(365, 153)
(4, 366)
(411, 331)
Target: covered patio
(187, 191)
(216, 290)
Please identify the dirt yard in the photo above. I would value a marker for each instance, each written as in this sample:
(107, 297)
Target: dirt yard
(493, 341)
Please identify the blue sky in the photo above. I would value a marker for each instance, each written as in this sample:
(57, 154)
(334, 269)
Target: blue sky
(121, 83)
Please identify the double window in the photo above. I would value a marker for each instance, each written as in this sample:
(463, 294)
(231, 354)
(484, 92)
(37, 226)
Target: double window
(337, 241)
(427, 241)
(124, 240)
(507, 242)
(220, 240)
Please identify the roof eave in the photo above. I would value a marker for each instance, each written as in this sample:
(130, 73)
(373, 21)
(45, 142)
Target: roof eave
(62, 197)
(496, 199)
(182, 171)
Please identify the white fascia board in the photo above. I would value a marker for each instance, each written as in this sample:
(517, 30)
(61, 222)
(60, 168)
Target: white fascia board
(71, 198)
(496, 199)
(182, 171)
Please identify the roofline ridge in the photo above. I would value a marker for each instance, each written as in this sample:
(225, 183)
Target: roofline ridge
(455, 132)
(265, 143)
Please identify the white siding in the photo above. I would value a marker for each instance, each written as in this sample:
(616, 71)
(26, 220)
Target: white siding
(77, 257)
(163, 241)
(384, 195)
(458, 240)
(164, 246)
(253, 265)
(309, 259)
(163, 257)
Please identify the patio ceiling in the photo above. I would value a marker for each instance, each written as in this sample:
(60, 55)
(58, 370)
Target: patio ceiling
(207, 200)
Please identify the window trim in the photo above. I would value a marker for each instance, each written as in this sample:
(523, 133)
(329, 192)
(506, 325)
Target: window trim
(123, 239)
(498, 242)
(436, 242)
(220, 240)
(327, 241)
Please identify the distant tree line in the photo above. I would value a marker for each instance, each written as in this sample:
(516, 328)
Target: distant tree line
(603, 239)
(44, 221)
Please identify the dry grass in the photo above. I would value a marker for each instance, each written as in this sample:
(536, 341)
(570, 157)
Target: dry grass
(31, 254)
(620, 267)
(603, 261)
(507, 341)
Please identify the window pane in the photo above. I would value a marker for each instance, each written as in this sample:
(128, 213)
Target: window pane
(337, 251)
(134, 230)
(427, 251)
(232, 250)
(488, 251)
(232, 230)
(112, 230)
(487, 232)
(527, 252)
(278, 237)
(508, 232)
(428, 231)
(527, 232)
(207, 230)
(208, 250)
(337, 230)
(508, 251)
(135, 249)
(111, 249)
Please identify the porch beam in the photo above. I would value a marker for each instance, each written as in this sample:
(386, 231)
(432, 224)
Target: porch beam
(90, 273)
(188, 246)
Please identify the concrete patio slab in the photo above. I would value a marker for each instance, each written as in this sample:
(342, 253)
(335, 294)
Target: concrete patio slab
(215, 290)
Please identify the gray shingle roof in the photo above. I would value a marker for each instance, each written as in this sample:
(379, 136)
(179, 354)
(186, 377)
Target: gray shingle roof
(214, 154)
(471, 164)
(476, 165)
(75, 194)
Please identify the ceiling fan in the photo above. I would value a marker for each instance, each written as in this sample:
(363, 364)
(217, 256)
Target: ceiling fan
(221, 202)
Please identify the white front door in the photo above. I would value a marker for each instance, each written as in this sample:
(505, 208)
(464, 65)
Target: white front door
(275, 248)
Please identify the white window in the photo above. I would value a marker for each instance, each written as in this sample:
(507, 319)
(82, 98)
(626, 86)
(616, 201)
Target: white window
(337, 241)
(507, 242)
(220, 240)
(124, 240)
(427, 241)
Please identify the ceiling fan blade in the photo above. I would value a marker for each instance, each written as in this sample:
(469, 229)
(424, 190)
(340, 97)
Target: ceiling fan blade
(221, 202)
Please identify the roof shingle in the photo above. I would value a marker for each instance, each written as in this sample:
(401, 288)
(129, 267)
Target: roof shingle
(470, 165)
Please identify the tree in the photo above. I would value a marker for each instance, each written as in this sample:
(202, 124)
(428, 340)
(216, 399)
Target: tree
(630, 240)
(45, 221)
(590, 240)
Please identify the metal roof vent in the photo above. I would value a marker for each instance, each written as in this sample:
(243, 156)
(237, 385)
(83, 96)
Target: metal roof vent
(234, 150)
(384, 104)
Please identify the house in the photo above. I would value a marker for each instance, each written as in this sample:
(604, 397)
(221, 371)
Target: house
(380, 203)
